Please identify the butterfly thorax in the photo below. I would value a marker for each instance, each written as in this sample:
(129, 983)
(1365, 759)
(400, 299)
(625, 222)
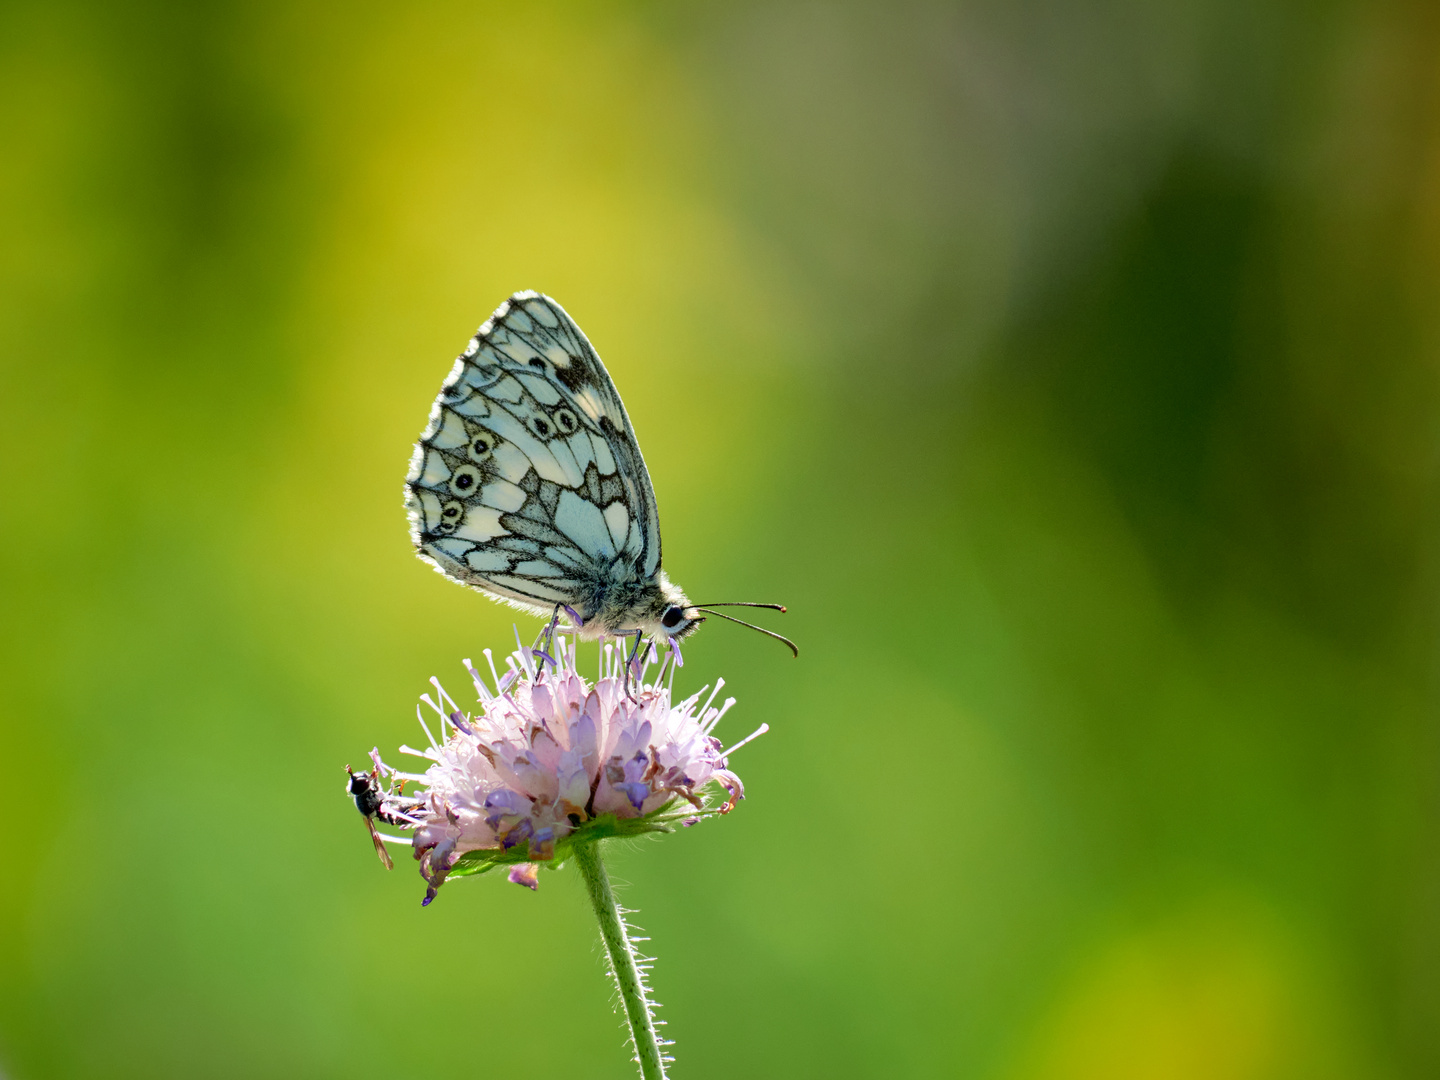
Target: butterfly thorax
(621, 607)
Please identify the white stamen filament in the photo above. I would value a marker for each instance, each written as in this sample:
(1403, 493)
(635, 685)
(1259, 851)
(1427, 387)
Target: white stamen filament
(426, 698)
(719, 685)
(753, 735)
(719, 715)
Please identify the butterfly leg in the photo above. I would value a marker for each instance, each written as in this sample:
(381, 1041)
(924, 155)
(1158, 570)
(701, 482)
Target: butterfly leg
(548, 637)
(632, 661)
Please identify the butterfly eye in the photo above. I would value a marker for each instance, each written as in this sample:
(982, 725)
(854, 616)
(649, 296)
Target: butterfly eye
(565, 420)
(481, 446)
(541, 427)
(672, 618)
(465, 480)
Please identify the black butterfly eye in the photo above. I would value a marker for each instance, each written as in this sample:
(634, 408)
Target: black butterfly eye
(481, 446)
(450, 516)
(672, 618)
(565, 420)
(541, 427)
(465, 480)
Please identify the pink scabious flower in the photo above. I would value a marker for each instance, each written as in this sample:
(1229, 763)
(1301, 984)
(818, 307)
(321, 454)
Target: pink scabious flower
(550, 758)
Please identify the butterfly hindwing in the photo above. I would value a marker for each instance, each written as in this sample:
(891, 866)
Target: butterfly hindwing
(528, 481)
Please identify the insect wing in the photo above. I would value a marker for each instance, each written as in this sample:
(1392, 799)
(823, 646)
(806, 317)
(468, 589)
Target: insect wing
(528, 481)
(379, 845)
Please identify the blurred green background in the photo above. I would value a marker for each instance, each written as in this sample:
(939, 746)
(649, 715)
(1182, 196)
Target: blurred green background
(1070, 369)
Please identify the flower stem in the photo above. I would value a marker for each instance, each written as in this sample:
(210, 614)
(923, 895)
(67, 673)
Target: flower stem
(622, 961)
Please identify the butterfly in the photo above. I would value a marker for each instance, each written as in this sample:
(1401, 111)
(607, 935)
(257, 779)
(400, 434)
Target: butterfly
(528, 484)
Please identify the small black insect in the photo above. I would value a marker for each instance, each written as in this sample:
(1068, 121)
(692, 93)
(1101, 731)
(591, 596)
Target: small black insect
(372, 802)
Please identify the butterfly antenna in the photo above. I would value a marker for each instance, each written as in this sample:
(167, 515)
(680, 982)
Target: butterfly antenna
(768, 633)
(742, 603)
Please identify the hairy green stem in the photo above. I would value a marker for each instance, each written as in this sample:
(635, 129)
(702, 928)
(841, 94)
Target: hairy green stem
(622, 961)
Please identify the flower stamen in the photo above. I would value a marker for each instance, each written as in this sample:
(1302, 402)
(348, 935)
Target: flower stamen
(550, 760)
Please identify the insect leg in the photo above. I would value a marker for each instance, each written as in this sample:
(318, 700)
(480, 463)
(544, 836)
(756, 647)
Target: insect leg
(631, 662)
(547, 635)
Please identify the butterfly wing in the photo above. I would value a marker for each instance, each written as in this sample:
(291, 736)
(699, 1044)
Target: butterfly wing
(528, 481)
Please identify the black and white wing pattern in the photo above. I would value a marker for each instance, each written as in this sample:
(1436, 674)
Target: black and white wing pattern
(528, 482)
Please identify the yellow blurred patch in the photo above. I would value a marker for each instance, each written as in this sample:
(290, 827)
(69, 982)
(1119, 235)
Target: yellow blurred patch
(1215, 993)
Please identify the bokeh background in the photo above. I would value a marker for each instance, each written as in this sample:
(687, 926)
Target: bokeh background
(1071, 369)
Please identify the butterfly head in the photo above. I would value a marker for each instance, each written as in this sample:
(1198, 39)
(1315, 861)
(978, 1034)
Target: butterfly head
(678, 621)
(666, 613)
(670, 613)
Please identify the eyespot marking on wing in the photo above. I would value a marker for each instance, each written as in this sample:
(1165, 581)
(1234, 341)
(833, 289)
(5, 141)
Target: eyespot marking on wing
(465, 481)
(480, 446)
(452, 512)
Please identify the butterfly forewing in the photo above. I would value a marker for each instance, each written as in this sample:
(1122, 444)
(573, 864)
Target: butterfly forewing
(528, 482)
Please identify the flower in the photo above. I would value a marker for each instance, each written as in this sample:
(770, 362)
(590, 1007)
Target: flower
(551, 759)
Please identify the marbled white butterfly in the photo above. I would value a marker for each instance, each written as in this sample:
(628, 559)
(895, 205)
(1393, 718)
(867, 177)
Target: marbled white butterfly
(528, 484)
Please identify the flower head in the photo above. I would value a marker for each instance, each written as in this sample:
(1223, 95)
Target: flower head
(550, 757)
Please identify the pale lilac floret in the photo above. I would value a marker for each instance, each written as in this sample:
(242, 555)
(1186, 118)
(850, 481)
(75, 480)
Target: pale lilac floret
(548, 751)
